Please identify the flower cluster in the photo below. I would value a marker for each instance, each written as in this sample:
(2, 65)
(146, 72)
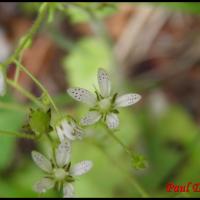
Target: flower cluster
(58, 170)
(46, 121)
(104, 104)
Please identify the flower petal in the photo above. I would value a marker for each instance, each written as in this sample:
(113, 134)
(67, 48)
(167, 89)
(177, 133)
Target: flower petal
(112, 121)
(63, 153)
(81, 168)
(60, 133)
(68, 190)
(2, 83)
(82, 95)
(91, 118)
(43, 185)
(70, 130)
(104, 82)
(127, 100)
(41, 161)
(77, 132)
(67, 129)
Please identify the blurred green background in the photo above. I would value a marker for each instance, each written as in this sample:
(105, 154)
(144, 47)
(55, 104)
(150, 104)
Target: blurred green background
(152, 49)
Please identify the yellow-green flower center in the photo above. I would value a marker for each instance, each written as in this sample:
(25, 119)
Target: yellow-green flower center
(59, 174)
(105, 104)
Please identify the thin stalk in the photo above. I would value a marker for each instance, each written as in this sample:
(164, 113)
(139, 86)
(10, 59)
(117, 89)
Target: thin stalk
(17, 72)
(24, 92)
(20, 135)
(120, 142)
(29, 36)
(37, 83)
(131, 179)
(126, 149)
(13, 106)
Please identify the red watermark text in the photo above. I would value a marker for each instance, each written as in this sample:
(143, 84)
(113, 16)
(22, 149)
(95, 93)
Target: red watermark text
(187, 187)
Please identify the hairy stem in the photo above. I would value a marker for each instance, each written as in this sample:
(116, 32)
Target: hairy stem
(120, 142)
(13, 106)
(24, 92)
(132, 180)
(37, 83)
(111, 133)
(17, 72)
(29, 36)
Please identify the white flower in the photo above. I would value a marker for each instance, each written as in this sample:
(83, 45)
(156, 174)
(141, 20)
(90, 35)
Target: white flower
(2, 83)
(103, 104)
(59, 171)
(68, 129)
(68, 190)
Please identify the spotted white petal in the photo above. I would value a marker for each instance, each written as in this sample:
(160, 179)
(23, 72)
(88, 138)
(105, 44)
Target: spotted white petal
(69, 130)
(91, 118)
(43, 185)
(127, 100)
(41, 161)
(77, 132)
(65, 130)
(82, 95)
(63, 153)
(81, 168)
(104, 82)
(2, 83)
(112, 121)
(68, 190)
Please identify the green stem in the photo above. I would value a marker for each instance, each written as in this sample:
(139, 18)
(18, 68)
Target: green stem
(120, 142)
(24, 92)
(13, 106)
(20, 135)
(17, 72)
(127, 150)
(131, 179)
(29, 36)
(37, 83)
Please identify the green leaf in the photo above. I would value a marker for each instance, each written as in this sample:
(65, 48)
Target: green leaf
(79, 12)
(29, 8)
(83, 61)
(10, 121)
(178, 126)
(186, 6)
(167, 139)
(39, 121)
